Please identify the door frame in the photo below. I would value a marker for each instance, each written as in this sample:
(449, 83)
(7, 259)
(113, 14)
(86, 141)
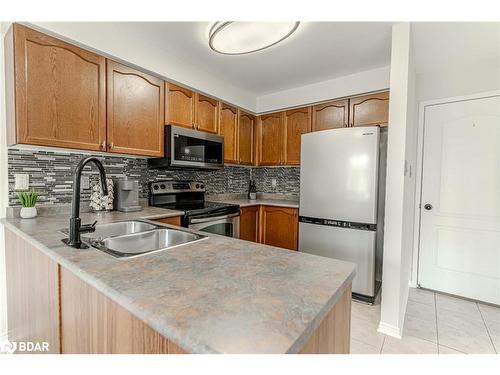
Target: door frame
(419, 169)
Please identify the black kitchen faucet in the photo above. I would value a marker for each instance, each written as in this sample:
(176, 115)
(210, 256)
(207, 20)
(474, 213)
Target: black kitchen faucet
(75, 223)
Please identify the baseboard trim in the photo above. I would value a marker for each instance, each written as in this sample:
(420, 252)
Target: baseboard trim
(390, 330)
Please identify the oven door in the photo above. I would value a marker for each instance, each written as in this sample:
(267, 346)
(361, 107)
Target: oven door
(227, 225)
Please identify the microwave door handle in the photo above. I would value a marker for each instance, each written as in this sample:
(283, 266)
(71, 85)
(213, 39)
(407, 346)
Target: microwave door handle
(215, 218)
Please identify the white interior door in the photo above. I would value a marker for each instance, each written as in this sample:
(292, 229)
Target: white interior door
(460, 230)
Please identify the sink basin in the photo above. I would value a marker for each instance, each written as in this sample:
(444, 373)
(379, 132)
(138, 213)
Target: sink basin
(136, 244)
(103, 231)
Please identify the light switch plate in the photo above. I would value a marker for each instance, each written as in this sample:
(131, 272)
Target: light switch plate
(21, 181)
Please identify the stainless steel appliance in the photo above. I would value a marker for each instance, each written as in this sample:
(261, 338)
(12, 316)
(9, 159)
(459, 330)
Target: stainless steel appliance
(188, 148)
(342, 195)
(127, 195)
(199, 214)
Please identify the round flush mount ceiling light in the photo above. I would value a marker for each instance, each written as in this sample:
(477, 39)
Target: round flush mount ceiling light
(239, 38)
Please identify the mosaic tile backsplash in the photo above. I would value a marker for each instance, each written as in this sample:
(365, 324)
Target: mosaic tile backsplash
(50, 173)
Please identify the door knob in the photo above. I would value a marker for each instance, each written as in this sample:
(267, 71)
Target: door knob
(428, 207)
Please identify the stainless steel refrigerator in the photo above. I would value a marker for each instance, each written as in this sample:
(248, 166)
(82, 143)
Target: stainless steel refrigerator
(342, 195)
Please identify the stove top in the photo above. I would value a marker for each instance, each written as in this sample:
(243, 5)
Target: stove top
(196, 208)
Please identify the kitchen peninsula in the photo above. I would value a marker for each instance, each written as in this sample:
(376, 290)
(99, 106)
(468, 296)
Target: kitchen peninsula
(218, 295)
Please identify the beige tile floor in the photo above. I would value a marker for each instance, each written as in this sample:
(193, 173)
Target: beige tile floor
(434, 324)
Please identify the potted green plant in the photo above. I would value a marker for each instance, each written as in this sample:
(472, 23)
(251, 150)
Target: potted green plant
(28, 200)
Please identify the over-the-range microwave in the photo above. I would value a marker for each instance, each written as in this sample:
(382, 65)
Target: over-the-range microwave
(189, 148)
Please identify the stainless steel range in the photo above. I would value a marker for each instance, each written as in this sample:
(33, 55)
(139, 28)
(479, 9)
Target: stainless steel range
(199, 214)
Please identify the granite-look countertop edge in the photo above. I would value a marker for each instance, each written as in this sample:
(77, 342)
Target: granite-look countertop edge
(259, 202)
(155, 322)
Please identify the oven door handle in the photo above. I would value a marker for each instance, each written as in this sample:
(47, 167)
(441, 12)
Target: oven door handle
(215, 218)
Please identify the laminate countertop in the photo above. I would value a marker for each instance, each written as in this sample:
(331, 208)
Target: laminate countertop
(218, 295)
(243, 202)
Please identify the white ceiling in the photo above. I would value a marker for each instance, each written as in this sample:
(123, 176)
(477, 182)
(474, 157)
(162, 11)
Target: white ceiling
(317, 51)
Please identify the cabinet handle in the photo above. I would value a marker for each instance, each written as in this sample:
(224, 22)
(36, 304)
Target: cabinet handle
(102, 146)
(111, 145)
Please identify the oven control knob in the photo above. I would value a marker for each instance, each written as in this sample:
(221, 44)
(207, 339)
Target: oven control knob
(202, 186)
(155, 187)
(197, 186)
(162, 186)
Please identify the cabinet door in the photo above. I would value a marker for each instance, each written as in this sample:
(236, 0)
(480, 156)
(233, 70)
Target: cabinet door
(228, 126)
(60, 92)
(249, 223)
(179, 106)
(207, 113)
(369, 110)
(296, 122)
(271, 139)
(173, 220)
(245, 138)
(331, 115)
(135, 111)
(279, 226)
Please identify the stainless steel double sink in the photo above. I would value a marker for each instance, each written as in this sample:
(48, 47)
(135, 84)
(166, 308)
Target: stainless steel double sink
(134, 238)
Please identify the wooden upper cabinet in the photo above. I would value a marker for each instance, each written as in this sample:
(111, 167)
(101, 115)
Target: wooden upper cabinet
(135, 111)
(56, 93)
(331, 115)
(207, 114)
(279, 226)
(369, 110)
(246, 138)
(179, 105)
(228, 128)
(271, 139)
(296, 123)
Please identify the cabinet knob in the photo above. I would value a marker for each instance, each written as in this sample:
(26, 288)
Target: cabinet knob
(111, 145)
(102, 146)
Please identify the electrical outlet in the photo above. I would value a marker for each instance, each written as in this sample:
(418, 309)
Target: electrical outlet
(274, 182)
(21, 181)
(85, 182)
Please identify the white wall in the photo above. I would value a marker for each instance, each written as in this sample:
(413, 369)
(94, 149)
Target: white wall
(353, 84)
(115, 41)
(398, 235)
(3, 189)
(458, 81)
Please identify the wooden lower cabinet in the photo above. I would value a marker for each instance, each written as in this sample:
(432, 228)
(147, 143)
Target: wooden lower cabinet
(249, 223)
(270, 225)
(333, 333)
(91, 323)
(279, 226)
(32, 293)
(174, 220)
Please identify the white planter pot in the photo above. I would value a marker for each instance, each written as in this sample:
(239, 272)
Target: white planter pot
(28, 212)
